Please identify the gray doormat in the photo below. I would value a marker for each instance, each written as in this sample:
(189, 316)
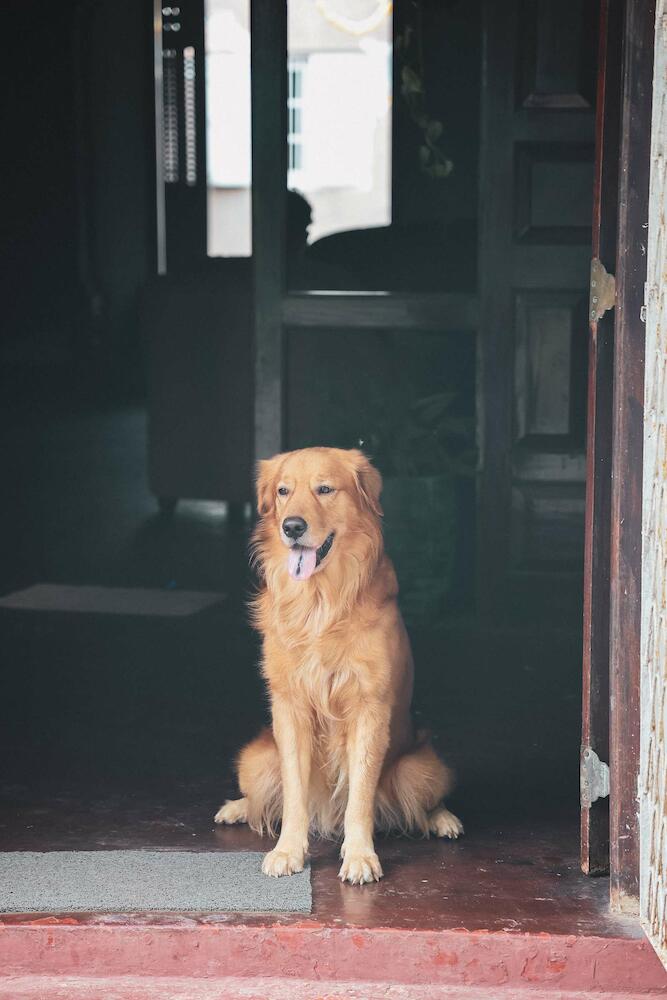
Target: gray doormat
(132, 881)
(110, 600)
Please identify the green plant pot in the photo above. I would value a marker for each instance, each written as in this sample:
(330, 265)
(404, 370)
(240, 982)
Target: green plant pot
(420, 529)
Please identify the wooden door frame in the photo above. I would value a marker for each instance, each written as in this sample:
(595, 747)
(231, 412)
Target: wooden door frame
(653, 698)
(627, 465)
(613, 570)
(268, 49)
(595, 686)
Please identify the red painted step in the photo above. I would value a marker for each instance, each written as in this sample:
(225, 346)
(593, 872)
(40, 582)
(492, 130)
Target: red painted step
(58, 958)
(155, 988)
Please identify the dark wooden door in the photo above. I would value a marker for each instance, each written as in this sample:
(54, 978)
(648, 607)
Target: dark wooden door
(595, 688)
(612, 580)
(537, 155)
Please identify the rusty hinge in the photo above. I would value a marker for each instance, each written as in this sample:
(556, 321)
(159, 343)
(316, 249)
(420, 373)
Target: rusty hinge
(593, 777)
(603, 290)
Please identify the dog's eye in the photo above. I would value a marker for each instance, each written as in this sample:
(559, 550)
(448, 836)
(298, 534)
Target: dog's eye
(282, 491)
(324, 489)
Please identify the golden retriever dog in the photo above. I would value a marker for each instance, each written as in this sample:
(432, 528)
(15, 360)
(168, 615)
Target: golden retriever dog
(341, 756)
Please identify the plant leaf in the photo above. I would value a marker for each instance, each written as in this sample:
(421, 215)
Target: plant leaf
(442, 169)
(434, 130)
(411, 82)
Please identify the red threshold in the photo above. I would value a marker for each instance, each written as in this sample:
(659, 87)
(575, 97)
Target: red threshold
(501, 915)
(132, 958)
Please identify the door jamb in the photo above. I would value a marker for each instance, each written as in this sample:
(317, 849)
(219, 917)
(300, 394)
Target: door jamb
(268, 50)
(628, 435)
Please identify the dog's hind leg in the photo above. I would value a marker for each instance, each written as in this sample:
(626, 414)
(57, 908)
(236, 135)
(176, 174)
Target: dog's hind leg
(233, 811)
(258, 771)
(411, 792)
(443, 823)
(260, 783)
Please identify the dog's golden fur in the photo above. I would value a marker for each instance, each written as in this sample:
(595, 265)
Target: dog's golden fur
(341, 755)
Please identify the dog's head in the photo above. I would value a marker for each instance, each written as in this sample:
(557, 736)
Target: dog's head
(317, 507)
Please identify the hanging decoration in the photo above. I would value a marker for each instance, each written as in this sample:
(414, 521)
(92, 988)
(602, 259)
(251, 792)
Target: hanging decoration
(409, 53)
(358, 26)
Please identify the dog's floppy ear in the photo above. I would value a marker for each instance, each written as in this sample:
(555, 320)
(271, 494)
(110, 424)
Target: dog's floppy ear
(368, 481)
(266, 477)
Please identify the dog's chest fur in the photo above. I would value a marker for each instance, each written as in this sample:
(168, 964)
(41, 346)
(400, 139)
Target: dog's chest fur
(330, 691)
(328, 694)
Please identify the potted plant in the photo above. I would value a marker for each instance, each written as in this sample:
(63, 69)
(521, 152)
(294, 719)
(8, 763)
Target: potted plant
(424, 451)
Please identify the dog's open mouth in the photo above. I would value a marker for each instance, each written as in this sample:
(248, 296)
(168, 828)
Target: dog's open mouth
(303, 561)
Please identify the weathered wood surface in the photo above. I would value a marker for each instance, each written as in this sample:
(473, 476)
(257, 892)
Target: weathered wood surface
(653, 764)
(628, 434)
(595, 688)
(440, 312)
(536, 179)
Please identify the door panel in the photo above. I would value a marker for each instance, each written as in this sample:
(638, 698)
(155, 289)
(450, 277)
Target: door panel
(554, 182)
(549, 389)
(555, 34)
(536, 193)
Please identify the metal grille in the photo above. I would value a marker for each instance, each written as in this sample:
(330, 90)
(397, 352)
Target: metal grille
(170, 117)
(189, 115)
(653, 771)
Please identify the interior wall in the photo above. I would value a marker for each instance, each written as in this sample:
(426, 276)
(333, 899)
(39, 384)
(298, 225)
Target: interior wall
(77, 205)
(38, 277)
(121, 163)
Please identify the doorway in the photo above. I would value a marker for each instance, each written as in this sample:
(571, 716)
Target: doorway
(121, 732)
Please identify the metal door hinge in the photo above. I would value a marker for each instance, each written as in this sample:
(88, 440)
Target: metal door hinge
(593, 776)
(603, 290)
(644, 308)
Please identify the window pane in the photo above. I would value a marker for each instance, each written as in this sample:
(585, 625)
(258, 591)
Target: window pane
(339, 120)
(228, 128)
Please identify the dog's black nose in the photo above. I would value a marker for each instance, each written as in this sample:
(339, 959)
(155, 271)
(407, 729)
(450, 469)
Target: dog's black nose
(294, 527)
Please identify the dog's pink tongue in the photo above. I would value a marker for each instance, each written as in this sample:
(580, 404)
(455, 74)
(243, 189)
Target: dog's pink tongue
(301, 562)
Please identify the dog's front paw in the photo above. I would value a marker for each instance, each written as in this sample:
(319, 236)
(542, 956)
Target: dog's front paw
(359, 867)
(283, 862)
